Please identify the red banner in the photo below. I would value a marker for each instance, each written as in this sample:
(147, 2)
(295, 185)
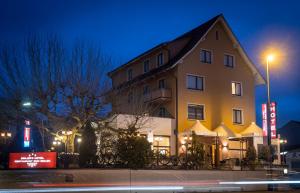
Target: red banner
(272, 119)
(32, 160)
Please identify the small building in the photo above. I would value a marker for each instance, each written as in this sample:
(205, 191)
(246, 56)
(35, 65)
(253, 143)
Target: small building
(201, 81)
(290, 146)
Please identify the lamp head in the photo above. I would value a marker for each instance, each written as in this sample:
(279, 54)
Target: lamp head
(270, 57)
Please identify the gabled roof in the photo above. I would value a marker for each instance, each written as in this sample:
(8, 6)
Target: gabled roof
(192, 38)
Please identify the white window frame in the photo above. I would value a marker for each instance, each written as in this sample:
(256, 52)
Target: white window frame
(242, 114)
(195, 104)
(233, 58)
(241, 88)
(211, 55)
(186, 79)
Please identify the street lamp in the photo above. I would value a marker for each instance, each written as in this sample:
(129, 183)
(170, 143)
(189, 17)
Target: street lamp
(270, 58)
(5, 135)
(26, 104)
(79, 140)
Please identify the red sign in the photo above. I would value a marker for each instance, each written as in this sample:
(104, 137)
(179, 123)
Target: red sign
(27, 134)
(272, 119)
(32, 160)
(264, 119)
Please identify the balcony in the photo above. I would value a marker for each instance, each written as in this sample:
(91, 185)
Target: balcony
(159, 95)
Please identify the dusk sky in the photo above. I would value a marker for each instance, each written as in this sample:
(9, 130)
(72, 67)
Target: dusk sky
(124, 29)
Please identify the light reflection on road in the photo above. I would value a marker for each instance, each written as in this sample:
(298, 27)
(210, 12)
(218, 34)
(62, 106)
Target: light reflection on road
(188, 187)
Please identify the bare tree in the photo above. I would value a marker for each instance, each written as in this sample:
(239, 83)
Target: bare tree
(65, 84)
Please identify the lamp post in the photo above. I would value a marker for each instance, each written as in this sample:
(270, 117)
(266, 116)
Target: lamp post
(79, 140)
(270, 58)
(5, 135)
(282, 143)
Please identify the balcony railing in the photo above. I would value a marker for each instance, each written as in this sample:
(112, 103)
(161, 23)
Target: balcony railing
(159, 95)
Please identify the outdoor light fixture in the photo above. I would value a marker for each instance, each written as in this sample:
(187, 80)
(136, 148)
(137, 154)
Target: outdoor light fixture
(26, 104)
(2, 134)
(270, 57)
(79, 140)
(69, 132)
(8, 134)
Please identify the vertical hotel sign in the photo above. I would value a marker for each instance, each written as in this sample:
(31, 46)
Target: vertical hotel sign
(27, 134)
(273, 116)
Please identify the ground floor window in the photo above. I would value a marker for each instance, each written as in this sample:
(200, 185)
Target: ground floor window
(161, 144)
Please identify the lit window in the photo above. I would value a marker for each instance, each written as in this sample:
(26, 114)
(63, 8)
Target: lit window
(161, 84)
(237, 116)
(129, 74)
(196, 112)
(161, 144)
(160, 59)
(195, 82)
(146, 66)
(228, 61)
(236, 88)
(205, 56)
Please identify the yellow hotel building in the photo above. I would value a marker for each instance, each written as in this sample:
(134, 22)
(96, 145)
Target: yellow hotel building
(202, 81)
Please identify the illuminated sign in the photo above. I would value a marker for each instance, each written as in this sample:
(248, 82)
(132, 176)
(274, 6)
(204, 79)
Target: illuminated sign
(27, 134)
(32, 160)
(272, 119)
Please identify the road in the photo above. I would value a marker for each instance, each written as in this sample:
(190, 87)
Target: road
(96, 180)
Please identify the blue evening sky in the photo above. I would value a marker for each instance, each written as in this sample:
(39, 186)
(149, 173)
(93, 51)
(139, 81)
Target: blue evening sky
(125, 28)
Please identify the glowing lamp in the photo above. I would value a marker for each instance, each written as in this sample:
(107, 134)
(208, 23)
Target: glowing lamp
(270, 58)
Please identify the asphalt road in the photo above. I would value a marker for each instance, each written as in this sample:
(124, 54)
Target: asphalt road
(96, 180)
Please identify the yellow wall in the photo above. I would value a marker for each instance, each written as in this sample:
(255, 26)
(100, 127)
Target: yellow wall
(216, 96)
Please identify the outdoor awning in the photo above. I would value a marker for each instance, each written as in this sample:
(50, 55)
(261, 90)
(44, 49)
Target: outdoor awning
(223, 131)
(252, 131)
(200, 129)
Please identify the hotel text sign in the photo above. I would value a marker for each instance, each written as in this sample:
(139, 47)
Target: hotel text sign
(273, 117)
(32, 160)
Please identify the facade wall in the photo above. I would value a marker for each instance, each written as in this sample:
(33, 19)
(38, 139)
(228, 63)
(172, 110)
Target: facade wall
(137, 66)
(216, 97)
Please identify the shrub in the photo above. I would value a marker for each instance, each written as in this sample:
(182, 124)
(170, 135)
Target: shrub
(133, 151)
